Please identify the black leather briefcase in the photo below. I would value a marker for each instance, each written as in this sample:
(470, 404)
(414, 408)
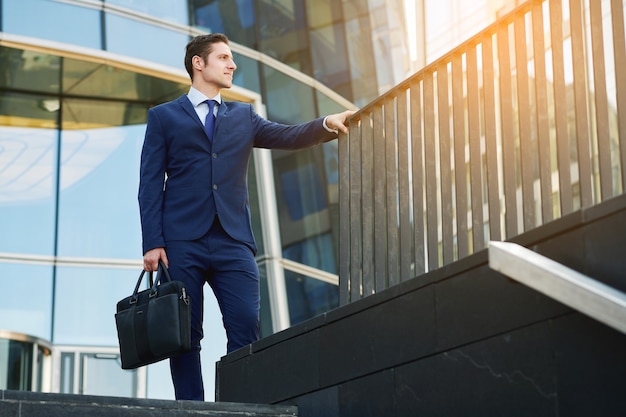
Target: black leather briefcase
(154, 324)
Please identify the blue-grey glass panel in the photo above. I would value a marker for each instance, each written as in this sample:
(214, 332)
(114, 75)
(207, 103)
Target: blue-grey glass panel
(98, 211)
(103, 375)
(303, 201)
(53, 21)
(288, 100)
(144, 41)
(27, 183)
(91, 79)
(283, 33)
(329, 41)
(235, 18)
(170, 10)
(316, 251)
(16, 365)
(29, 70)
(85, 304)
(247, 73)
(309, 297)
(26, 299)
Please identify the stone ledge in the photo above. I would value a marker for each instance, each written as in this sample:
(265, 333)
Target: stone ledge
(34, 404)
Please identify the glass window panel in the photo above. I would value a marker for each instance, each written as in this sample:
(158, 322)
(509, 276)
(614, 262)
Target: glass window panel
(309, 297)
(33, 18)
(67, 373)
(16, 365)
(26, 299)
(288, 100)
(170, 10)
(102, 375)
(234, 18)
(98, 211)
(327, 42)
(247, 73)
(29, 70)
(316, 251)
(86, 299)
(147, 42)
(283, 33)
(27, 184)
(301, 195)
(81, 78)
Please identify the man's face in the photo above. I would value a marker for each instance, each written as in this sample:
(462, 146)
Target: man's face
(219, 67)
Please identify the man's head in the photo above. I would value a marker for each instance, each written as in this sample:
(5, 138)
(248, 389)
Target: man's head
(202, 46)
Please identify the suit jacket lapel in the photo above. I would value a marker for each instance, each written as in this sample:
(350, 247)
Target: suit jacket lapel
(188, 108)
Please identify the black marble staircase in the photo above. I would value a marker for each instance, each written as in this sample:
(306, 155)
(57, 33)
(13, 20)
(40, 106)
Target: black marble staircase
(32, 404)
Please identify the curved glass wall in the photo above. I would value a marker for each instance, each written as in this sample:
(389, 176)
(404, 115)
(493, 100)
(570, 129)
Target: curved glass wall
(74, 94)
(24, 362)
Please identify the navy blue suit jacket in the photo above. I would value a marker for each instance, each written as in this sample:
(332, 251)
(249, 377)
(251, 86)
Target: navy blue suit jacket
(185, 180)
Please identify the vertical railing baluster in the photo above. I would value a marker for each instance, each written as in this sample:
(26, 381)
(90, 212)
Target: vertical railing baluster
(404, 192)
(380, 200)
(345, 260)
(491, 138)
(508, 136)
(417, 158)
(619, 49)
(601, 101)
(356, 223)
(432, 232)
(445, 170)
(367, 202)
(392, 191)
(542, 114)
(583, 139)
(524, 123)
(460, 181)
(475, 152)
(561, 105)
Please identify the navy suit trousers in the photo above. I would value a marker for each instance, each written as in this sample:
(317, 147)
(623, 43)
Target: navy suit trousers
(229, 267)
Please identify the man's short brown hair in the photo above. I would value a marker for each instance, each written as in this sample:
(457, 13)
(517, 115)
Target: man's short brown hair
(202, 46)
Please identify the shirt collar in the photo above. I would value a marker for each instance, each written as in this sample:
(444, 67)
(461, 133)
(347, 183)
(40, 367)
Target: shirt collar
(196, 97)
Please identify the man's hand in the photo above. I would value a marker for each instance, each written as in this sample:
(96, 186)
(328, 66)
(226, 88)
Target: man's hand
(151, 259)
(338, 121)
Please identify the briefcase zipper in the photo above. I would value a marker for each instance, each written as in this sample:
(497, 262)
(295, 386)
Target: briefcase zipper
(184, 297)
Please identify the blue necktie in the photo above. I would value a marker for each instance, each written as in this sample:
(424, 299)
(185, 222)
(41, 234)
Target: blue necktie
(209, 122)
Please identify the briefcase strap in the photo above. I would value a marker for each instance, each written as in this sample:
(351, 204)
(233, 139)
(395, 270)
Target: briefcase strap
(162, 272)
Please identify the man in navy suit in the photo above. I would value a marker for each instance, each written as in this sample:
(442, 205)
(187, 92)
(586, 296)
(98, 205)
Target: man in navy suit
(193, 196)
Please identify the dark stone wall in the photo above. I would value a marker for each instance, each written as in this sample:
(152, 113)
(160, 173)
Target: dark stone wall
(463, 340)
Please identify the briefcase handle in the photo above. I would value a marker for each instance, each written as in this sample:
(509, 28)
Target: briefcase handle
(162, 271)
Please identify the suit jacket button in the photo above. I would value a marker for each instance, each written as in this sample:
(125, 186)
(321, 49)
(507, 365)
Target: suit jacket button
(215, 186)
(214, 155)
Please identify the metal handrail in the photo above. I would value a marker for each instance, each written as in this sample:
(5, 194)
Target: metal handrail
(570, 287)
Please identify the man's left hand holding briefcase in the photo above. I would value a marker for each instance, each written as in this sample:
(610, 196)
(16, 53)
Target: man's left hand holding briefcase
(154, 324)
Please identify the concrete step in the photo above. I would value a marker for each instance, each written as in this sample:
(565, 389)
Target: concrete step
(35, 404)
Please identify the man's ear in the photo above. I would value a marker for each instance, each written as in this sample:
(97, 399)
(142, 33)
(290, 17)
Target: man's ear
(197, 62)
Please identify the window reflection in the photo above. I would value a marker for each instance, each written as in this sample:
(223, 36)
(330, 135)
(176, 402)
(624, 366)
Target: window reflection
(75, 312)
(309, 297)
(22, 309)
(147, 42)
(235, 18)
(170, 10)
(32, 18)
(288, 101)
(98, 214)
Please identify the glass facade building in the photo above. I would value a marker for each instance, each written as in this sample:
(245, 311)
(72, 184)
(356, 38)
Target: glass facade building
(76, 80)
